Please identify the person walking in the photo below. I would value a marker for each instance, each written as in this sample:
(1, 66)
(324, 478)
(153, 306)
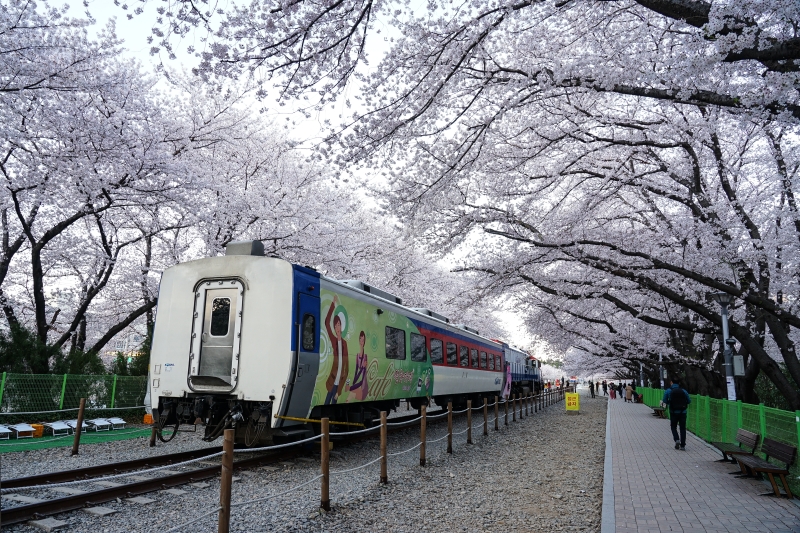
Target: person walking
(591, 388)
(621, 390)
(605, 388)
(612, 391)
(678, 401)
(629, 393)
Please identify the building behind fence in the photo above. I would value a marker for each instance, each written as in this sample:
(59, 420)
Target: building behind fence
(715, 420)
(50, 392)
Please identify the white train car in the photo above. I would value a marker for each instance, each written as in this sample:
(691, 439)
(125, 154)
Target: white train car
(269, 347)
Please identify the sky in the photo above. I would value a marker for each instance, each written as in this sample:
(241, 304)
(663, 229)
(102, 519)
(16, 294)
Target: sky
(305, 130)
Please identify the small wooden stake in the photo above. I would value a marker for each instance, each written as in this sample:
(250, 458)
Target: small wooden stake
(449, 427)
(485, 417)
(496, 414)
(225, 481)
(505, 404)
(79, 429)
(521, 401)
(422, 427)
(514, 407)
(324, 465)
(527, 403)
(384, 469)
(469, 421)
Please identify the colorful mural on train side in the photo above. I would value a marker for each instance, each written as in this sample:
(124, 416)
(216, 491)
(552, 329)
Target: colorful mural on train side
(353, 365)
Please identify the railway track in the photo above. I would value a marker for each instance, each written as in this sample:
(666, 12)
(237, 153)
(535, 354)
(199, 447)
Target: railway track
(40, 509)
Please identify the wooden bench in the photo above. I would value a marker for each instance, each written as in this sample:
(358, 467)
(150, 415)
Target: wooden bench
(743, 437)
(659, 412)
(751, 465)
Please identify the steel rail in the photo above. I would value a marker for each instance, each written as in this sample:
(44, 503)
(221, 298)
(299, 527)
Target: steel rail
(42, 480)
(22, 513)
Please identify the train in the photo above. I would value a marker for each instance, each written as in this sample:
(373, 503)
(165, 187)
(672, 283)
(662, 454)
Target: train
(268, 348)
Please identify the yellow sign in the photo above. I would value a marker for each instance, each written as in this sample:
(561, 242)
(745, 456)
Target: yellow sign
(573, 403)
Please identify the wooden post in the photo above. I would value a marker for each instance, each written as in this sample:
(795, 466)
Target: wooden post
(384, 469)
(469, 421)
(324, 465)
(422, 428)
(514, 407)
(449, 427)
(485, 416)
(505, 403)
(521, 401)
(496, 414)
(527, 403)
(153, 432)
(225, 481)
(76, 442)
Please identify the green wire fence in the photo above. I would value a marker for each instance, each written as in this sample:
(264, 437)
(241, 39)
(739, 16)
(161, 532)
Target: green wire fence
(46, 395)
(716, 420)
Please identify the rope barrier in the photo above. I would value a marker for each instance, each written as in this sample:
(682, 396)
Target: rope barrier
(278, 446)
(406, 422)
(178, 528)
(338, 434)
(259, 500)
(404, 451)
(437, 440)
(460, 432)
(336, 472)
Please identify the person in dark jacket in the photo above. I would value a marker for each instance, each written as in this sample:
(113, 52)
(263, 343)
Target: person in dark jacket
(678, 400)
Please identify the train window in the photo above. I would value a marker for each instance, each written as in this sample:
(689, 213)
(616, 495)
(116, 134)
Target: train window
(309, 332)
(464, 356)
(452, 354)
(491, 362)
(418, 348)
(497, 364)
(437, 356)
(483, 359)
(474, 358)
(395, 343)
(220, 316)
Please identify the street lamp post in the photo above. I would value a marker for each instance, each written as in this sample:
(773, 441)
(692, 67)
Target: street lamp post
(724, 300)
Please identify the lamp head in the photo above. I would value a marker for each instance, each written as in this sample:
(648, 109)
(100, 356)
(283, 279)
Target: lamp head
(723, 298)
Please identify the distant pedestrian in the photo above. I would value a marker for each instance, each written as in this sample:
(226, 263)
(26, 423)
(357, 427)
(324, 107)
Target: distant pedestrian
(612, 391)
(605, 388)
(629, 393)
(678, 400)
(621, 390)
(591, 388)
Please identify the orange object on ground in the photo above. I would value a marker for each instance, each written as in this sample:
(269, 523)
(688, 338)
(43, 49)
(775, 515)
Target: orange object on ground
(148, 419)
(38, 430)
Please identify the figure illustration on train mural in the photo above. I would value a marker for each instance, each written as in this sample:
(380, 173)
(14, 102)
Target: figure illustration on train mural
(359, 387)
(338, 375)
(376, 375)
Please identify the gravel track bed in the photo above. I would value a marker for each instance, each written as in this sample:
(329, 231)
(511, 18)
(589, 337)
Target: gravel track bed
(542, 472)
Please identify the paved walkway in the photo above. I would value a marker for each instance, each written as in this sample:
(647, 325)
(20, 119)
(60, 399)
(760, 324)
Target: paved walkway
(656, 488)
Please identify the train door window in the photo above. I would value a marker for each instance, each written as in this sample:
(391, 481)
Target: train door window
(491, 362)
(497, 364)
(418, 348)
(309, 330)
(464, 356)
(474, 358)
(452, 354)
(437, 355)
(220, 316)
(395, 343)
(483, 360)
